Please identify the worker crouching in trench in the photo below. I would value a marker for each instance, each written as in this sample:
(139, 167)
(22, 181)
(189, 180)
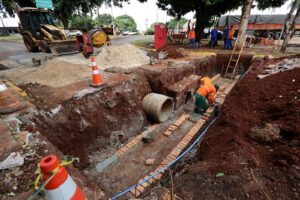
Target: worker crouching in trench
(205, 95)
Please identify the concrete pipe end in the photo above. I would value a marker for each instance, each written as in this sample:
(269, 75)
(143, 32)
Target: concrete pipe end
(158, 107)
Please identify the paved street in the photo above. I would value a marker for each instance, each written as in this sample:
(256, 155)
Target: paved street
(14, 54)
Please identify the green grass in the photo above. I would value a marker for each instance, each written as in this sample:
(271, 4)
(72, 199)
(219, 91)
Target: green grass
(142, 43)
(14, 38)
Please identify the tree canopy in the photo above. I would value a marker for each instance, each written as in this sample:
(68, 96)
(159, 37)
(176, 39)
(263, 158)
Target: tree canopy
(125, 23)
(104, 19)
(206, 9)
(63, 9)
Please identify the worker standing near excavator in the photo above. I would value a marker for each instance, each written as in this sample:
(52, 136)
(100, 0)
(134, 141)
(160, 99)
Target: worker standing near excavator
(206, 92)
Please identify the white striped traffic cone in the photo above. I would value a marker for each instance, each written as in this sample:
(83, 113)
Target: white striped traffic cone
(61, 186)
(97, 79)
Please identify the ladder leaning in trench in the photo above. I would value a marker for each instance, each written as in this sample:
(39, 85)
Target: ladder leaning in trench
(234, 60)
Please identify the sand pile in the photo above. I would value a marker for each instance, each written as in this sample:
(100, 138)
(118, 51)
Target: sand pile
(124, 56)
(55, 73)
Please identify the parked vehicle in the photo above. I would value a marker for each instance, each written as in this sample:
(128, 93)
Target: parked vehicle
(268, 26)
(129, 33)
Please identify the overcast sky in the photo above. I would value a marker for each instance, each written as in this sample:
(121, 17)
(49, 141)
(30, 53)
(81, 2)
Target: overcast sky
(147, 13)
(143, 12)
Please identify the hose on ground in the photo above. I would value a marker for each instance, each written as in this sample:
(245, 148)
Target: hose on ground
(168, 165)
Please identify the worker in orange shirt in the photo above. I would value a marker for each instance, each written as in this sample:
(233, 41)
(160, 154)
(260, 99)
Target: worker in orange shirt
(230, 37)
(206, 92)
(192, 38)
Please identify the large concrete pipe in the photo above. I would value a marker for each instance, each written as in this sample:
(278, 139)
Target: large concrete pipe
(158, 107)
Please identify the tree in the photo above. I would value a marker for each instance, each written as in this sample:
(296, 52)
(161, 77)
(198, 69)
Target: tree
(204, 9)
(78, 22)
(244, 22)
(125, 23)
(63, 9)
(246, 9)
(173, 23)
(288, 28)
(104, 19)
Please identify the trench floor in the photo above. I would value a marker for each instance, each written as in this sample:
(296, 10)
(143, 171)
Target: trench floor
(118, 173)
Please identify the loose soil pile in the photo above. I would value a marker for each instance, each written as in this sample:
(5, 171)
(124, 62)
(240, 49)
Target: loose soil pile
(173, 51)
(54, 73)
(252, 170)
(124, 56)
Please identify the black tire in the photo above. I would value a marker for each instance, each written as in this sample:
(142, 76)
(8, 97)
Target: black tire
(277, 35)
(29, 44)
(44, 46)
(269, 34)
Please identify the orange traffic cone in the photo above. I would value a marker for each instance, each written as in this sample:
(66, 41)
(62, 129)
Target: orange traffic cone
(60, 184)
(8, 102)
(97, 79)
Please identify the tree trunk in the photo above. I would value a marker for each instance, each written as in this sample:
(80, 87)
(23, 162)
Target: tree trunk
(244, 22)
(288, 18)
(292, 31)
(287, 25)
(65, 22)
(201, 22)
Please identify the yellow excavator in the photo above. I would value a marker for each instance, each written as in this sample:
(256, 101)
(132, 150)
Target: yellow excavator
(40, 33)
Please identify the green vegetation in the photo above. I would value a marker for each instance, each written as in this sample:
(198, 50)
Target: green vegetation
(142, 43)
(125, 23)
(104, 19)
(79, 22)
(14, 38)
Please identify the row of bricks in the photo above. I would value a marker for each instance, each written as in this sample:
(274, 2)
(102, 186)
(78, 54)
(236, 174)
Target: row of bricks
(133, 142)
(175, 152)
(171, 157)
(176, 125)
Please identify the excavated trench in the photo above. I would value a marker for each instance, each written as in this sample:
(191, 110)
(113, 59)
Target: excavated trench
(101, 120)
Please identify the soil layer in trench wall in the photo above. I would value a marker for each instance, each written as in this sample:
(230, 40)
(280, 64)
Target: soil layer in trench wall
(91, 122)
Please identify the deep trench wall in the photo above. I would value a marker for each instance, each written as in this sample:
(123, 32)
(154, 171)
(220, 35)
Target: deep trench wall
(100, 119)
(176, 71)
(223, 59)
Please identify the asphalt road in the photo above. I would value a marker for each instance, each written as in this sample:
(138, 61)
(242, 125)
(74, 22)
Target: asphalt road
(14, 54)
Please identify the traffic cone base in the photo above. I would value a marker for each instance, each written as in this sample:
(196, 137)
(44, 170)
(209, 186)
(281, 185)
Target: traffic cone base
(8, 102)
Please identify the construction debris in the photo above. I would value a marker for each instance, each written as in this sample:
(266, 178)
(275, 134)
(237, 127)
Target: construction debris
(13, 160)
(149, 162)
(286, 64)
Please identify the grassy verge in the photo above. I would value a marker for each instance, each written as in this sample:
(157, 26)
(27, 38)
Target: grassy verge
(142, 43)
(14, 38)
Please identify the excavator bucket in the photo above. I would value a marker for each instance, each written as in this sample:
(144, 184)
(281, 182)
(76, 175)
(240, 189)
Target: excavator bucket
(64, 47)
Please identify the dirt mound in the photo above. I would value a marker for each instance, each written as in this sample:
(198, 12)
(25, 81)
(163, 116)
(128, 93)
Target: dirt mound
(252, 170)
(55, 73)
(267, 133)
(125, 56)
(173, 52)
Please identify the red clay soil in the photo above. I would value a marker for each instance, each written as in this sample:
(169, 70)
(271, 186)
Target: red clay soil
(252, 170)
(173, 51)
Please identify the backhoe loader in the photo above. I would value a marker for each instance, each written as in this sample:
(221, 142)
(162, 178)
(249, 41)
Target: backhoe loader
(40, 33)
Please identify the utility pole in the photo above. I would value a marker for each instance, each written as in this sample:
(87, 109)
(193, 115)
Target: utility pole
(113, 19)
(157, 14)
